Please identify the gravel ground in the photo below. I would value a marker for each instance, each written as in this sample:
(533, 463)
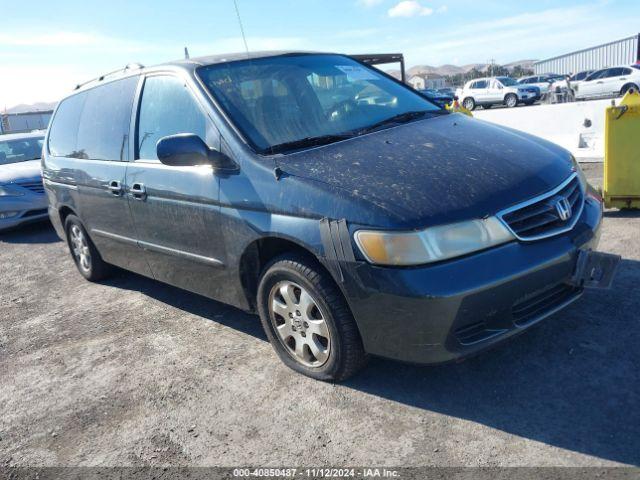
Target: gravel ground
(133, 372)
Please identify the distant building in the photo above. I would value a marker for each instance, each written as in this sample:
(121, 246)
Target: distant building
(24, 122)
(423, 82)
(620, 52)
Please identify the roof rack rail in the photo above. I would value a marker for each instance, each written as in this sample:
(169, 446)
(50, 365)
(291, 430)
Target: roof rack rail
(129, 66)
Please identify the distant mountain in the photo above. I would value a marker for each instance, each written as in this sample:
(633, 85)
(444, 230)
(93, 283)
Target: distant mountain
(450, 70)
(34, 107)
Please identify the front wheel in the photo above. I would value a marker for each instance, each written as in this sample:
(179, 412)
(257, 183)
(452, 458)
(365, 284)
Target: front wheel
(511, 100)
(308, 321)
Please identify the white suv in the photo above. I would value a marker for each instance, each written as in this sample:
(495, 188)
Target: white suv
(609, 82)
(496, 91)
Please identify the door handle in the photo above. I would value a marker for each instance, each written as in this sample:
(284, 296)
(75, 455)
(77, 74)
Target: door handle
(115, 187)
(138, 191)
(600, 82)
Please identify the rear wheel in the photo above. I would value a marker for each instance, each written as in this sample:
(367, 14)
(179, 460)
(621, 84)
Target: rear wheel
(307, 320)
(469, 103)
(83, 251)
(511, 100)
(627, 87)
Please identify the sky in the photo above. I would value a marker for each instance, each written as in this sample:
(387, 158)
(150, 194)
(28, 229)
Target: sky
(47, 47)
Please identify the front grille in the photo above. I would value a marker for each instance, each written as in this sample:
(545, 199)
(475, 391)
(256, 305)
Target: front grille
(542, 216)
(35, 187)
(542, 303)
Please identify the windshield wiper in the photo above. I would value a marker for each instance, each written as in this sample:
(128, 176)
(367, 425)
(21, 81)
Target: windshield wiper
(400, 118)
(307, 142)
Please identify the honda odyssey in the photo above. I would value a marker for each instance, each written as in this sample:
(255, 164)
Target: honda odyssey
(353, 215)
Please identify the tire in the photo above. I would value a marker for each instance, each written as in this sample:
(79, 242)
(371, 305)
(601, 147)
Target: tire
(469, 103)
(511, 100)
(320, 340)
(84, 252)
(628, 87)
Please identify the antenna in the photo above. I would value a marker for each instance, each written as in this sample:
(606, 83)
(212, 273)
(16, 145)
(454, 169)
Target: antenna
(244, 38)
(186, 53)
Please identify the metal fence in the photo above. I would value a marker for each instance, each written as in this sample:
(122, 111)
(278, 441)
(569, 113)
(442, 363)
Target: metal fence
(620, 52)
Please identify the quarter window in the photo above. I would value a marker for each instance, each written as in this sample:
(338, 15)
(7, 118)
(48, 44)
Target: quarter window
(63, 135)
(167, 108)
(94, 124)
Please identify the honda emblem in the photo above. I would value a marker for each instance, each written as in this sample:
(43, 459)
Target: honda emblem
(563, 207)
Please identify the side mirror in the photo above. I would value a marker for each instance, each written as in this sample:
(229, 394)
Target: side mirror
(187, 150)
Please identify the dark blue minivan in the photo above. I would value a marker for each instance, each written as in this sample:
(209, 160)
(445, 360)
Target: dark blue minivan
(356, 217)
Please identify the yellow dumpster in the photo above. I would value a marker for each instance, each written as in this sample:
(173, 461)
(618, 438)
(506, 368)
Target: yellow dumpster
(622, 153)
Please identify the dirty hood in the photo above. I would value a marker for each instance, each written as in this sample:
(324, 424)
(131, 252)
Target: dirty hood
(20, 171)
(437, 170)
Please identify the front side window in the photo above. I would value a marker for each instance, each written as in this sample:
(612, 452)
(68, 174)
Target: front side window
(507, 81)
(167, 108)
(280, 100)
(20, 150)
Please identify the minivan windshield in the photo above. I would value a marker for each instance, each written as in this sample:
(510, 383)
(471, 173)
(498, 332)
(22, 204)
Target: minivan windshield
(287, 102)
(20, 150)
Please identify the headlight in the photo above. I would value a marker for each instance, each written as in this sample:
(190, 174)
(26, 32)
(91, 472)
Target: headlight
(433, 244)
(10, 191)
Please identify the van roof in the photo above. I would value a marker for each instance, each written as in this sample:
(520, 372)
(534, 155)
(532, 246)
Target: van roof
(190, 64)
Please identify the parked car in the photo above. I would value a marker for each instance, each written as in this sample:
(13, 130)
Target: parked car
(560, 85)
(436, 97)
(22, 198)
(449, 92)
(496, 91)
(543, 82)
(353, 229)
(609, 82)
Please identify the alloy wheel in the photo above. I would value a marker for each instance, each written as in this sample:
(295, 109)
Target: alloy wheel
(80, 247)
(299, 323)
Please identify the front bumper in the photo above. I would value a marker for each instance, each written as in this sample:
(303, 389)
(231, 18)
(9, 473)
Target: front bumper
(24, 209)
(439, 313)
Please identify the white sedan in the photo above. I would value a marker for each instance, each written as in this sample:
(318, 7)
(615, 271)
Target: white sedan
(609, 82)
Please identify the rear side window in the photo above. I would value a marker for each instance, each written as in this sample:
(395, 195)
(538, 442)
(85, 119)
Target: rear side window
(94, 124)
(63, 135)
(167, 108)
(104, 126)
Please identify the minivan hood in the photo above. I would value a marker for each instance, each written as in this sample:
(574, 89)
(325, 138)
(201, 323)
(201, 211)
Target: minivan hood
(20, 171)
(437, 170)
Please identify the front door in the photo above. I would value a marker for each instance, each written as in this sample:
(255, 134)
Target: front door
(175, 209)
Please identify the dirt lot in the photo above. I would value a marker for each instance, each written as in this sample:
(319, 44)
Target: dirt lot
(133, 372)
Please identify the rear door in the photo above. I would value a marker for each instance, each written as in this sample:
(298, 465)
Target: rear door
(495, 92)
(479, 90)
(175, 209)
(89, 146)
